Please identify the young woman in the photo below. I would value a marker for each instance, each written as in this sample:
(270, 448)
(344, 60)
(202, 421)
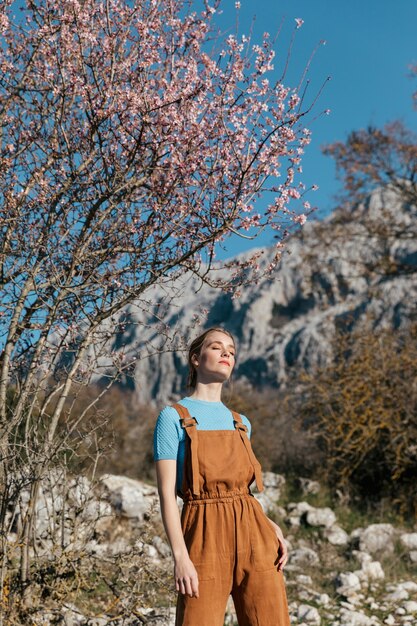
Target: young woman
(224, 543)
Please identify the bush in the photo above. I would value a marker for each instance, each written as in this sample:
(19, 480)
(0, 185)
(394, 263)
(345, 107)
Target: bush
(363, 412)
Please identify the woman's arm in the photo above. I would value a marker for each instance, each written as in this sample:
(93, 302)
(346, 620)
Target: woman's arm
(283, 552)
(185, 574)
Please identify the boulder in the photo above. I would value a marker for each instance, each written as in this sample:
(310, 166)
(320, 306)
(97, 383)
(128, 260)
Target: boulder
(397, 594)
(273, 481)
(268, 501)
(410, 607)
(370, 570)
(348, 584)
(409, 585)
(336, 535)
(296, 510)
(303, 579)
(378, 538)
(321, 517)
(130, 498)
(409, 540)
(308, 615)
(303, 556)
(355, 618)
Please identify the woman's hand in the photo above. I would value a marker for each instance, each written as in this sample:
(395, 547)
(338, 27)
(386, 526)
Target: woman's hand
(283, 550)
(186, 577)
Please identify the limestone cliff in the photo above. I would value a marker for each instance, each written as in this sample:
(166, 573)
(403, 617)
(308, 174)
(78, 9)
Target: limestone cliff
(359, 266)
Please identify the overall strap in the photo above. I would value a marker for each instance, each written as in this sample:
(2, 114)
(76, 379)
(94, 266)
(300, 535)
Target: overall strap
(189, 423)
(243, 431)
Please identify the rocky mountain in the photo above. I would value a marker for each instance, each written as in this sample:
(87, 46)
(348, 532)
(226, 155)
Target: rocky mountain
(357, 267)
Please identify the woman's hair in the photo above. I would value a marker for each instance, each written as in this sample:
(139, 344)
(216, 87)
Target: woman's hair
(195, 348)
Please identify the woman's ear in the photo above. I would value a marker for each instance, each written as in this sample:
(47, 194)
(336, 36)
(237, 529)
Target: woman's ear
(194, 360)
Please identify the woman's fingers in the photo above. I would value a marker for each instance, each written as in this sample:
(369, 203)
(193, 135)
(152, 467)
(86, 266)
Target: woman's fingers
(188, 585)
(283, 553)
(194, 586)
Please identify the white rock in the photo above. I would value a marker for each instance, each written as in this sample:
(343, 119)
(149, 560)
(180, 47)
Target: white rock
(398, 594)
(308, 614)
(336, 535)
(96, 509)
(303, 579)
(162, 547)
(272, 480)
(347, 584)
(298, 508)
(304, 556)
(131, 498)
(377, 537)
(80, 491)
(409, 585)
(409, 540)
(362, 557)
(371, 570)
(72, 616)
(410, 606)
(121, 546)
(390, 620)
(413, 556)
(321, 517)
(268, 500)
(354, 618)
(323, 598)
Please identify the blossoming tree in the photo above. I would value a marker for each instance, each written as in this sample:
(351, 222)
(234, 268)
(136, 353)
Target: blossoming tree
(133, 140)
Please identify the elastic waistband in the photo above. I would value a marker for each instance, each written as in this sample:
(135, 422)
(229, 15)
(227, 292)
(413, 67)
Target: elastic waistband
(226, 496)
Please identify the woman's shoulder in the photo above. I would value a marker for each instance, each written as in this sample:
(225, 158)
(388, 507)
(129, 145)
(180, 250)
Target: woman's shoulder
(168, 414)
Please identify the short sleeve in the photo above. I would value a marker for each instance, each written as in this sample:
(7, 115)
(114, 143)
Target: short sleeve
(167, 435)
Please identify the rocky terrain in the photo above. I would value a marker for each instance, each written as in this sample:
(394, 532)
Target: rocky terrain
(336, 576)
(354, 268)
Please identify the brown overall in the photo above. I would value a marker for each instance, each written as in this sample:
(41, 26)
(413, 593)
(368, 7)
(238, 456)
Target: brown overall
(228, 536)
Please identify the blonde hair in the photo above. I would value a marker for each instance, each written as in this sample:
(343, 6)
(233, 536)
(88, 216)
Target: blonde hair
(195, 349)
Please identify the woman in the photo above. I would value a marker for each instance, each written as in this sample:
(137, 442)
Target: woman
(224, 543)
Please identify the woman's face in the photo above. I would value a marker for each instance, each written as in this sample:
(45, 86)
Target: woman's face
(216, 360)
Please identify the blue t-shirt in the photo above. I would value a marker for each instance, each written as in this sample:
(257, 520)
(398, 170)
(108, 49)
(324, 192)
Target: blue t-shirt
(169, 435)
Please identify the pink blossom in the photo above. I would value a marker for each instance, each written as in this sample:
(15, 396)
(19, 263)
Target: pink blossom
(300, 219)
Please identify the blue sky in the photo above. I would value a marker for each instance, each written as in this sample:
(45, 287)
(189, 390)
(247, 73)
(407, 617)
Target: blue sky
(369, 46)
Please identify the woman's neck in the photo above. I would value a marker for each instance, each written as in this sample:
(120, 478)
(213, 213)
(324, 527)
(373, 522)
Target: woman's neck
(210, 392)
